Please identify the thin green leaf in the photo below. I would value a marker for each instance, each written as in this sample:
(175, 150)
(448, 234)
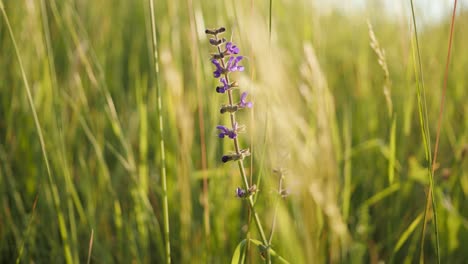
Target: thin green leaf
(239, 254)
(408, 232)
(391, 158)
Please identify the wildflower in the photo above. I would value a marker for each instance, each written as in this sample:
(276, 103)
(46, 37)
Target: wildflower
(231, 48)
(232, 64)
(219, 69)
(226, 61)
(224, 87)
(241, 193)
(224, 131)
(243, 103)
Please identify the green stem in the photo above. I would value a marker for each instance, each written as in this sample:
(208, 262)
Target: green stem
(280, 189)
(161, 132)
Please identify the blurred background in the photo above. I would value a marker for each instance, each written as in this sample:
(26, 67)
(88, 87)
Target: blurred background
(335, 110)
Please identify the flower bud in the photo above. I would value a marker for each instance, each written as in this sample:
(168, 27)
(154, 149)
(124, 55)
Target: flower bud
(228, 108)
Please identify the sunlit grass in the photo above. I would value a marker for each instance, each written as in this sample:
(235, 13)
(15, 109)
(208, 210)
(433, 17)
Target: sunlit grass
(355, 167)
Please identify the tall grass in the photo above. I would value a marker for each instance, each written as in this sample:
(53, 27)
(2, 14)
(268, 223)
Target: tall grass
(162, 149)
(81, 76)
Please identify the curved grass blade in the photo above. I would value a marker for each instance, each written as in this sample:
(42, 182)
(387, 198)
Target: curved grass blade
(423, 119)
(408, 232)
(239, 254)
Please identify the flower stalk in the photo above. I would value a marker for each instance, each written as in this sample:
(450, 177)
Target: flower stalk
(226, 61)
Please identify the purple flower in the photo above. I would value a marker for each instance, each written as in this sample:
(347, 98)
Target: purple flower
(231, 48)
(240, 193)
(224, 87)
(224, 131)
(219, 69)
(232, 64)
(243, 103)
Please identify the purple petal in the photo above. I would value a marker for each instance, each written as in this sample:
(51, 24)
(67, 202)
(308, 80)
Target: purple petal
(222, 128)
(231, 48)
(243, 103)
(232, 134)
(243, 96)
(230, 64)
(239, 58)
(224, 87)
(220, 89)
(216, 63)
(219, 70)
(240, 193)
(224, 82)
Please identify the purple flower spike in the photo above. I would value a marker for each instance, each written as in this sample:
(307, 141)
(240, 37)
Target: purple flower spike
(231, 48)
(243, 103)
(232, 64)
(224, 131)
(224, 87)
(219, 69)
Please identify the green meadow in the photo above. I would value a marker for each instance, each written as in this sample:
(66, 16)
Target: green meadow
(345, 122)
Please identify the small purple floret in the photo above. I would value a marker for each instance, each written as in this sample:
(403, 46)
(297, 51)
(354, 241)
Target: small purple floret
(224, 131)
(240, 193)
(231, 48)
(219, 69)
(224, 87)
(243, 103)
(232, 64)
